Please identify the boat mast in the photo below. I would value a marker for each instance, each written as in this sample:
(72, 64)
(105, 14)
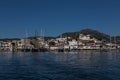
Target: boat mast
(36, 40)
(26, 36)
(115, 42)
(110, 43)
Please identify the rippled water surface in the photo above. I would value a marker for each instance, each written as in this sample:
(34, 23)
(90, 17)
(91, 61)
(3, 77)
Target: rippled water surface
(60, 66)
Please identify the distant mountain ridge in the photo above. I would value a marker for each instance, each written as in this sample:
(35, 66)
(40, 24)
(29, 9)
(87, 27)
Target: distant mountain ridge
(9, 39)
(94, 33)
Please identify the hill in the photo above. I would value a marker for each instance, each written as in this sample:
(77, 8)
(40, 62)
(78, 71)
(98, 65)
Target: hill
(94, 33)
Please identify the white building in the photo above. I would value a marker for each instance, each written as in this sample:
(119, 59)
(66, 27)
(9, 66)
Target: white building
(84, 37)
(73, 44)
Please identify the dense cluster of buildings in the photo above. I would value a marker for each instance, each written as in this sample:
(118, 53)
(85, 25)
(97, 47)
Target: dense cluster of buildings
(84, 42)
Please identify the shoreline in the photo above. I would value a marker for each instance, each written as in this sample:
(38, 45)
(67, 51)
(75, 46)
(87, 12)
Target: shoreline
(61, 50)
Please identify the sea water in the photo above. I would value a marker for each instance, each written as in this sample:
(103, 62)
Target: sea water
(60, 66)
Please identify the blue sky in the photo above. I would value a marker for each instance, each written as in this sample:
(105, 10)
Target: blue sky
(58, 16)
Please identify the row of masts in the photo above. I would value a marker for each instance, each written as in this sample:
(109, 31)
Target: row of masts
(113, 41)
(35, 36)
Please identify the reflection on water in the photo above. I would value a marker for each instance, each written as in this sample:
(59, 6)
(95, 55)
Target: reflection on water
(60, 66)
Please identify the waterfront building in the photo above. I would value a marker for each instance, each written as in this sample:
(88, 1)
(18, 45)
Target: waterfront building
(62, 43)
(73, 44)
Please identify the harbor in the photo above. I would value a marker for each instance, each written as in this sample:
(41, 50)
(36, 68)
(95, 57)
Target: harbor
(59, 39)
(60, 44)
